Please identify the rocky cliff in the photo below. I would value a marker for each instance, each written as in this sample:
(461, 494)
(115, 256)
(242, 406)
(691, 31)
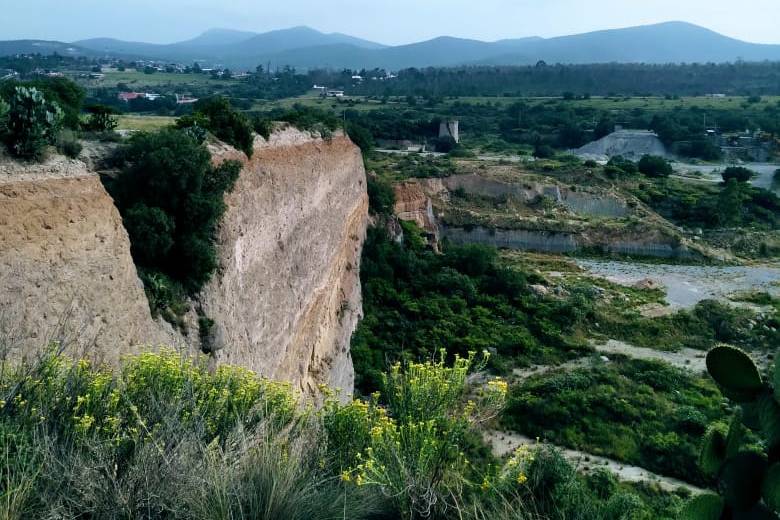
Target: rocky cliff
(65, 268)
(284, 301)
(287, 295)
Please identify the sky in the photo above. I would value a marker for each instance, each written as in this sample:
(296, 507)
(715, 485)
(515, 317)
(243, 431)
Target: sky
(390, 22)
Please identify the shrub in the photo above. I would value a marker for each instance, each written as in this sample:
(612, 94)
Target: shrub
(654, 166)
(414, 454)
(68, 144)
(543, 151)
(739, 173)
(165, 437)
(171, 199)
(152, 232)
(381, 197)
(445, 144)
(226, 123)
(4, 109)
(361, 136)
(33, 123)
(264, 127)
(66, 94)
(306, 118)
(101, 119)
(620, 165)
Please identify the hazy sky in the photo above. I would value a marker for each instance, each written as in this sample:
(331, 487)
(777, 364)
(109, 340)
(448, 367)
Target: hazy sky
(385, 21)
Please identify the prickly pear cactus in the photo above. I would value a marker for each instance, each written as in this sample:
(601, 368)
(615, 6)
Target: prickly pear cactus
(748, 480)
(32, 123)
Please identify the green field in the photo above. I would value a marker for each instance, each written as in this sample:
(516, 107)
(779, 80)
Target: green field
(144, 123)
(360, 103)
(158, 79)
(628, 102)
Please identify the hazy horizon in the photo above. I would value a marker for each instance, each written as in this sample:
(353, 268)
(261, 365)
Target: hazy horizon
(391, 23)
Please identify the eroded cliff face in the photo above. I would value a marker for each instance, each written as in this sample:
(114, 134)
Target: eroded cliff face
(66, 273)
(413, 204)
(286, 297)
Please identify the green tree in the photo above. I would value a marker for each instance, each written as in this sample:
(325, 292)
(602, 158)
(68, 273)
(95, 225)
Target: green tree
(361, 136)
(381, 197)
(152, 232)
(654, 166)
(730, 202)
(171, 199)
(739, 173)
(101, 119)
(4, 109)
(33, 123)
(226, 123)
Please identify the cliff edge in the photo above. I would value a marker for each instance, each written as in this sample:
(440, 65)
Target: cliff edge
(66, 273)
(286, 297)
(284, 300)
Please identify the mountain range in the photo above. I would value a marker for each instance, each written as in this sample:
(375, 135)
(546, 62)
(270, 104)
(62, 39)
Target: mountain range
(303, 47)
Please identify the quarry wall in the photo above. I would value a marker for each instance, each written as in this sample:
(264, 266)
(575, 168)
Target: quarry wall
(285, 298)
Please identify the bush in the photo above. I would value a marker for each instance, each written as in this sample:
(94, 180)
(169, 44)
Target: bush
(654, 166)
(101, 119)
(226, 123)
(66, 94)
(737, 173)
(171, 200)
(165, 437)
(414, 455)
(152, 232)
(361, 136)
(304, 118)
(4, 109)
(381, 197)
(68, 144)
(621, 165)
(33, 123)
(263, 126)
(543, 151)
(445, 144)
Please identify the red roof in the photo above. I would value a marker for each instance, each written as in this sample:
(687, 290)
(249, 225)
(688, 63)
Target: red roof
(127, 96)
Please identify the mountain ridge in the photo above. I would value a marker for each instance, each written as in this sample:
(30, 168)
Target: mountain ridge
(304, 47)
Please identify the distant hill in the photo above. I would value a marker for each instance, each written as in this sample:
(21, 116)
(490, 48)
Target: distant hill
(672, 42)
(10, 47)
(225, 46)
(303, 47)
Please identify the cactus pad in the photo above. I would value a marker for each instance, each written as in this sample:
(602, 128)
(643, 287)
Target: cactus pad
(735, 372)
(703, 507)
(741, 478)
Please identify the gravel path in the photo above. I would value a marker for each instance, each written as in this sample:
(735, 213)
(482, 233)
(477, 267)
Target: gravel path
(503, 443)
(686, 358)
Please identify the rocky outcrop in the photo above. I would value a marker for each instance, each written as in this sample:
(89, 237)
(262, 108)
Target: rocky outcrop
(287, 298)
(284, 300)
(581, 202)
(412, 204)
(66, 273)
(631, 144)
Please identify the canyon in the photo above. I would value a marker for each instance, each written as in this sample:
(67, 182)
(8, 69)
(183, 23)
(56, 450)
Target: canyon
(284, 300)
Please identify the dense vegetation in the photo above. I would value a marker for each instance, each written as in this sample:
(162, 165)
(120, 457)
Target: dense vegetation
(171, 198)
(730, 204)
(166, 438)
(416, 302)
(216, 115)
(545, 80)
(644, 413)
(562, 123)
